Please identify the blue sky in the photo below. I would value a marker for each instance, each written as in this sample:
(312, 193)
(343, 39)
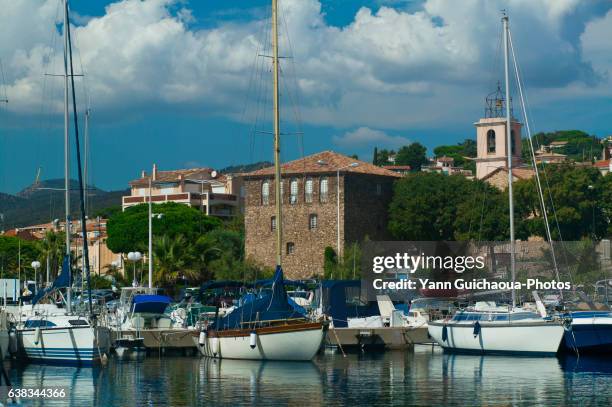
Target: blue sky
(179, 83)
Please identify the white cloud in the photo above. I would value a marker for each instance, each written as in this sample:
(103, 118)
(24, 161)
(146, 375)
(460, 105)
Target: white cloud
(390, 68)
(367, 137)
(596, 44)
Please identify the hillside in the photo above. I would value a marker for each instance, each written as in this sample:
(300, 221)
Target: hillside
(241, 168)
(580, 146)
(44, 202)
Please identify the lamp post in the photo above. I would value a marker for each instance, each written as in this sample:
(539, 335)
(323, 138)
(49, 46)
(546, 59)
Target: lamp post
(151, 216)
(150, 259)
(35, 266)
(151, 231)
(351, 165)
(134, 257)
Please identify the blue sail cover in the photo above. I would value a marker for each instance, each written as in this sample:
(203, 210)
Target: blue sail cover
(272, 306)
(342, 300)
(62, 281)
(150, 303)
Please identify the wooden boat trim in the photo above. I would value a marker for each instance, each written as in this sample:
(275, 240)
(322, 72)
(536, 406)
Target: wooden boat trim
(268, 330)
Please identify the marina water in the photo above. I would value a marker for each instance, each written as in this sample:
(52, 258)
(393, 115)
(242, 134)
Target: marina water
(425, 377)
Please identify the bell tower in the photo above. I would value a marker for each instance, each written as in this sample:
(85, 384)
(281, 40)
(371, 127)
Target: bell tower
(492, 148)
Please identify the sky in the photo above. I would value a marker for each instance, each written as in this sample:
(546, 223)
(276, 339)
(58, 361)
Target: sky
(185, 83)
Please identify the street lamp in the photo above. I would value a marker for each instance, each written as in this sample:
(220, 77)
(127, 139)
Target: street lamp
(134, 257)
(351, 165)
(150, 259)
(35, 266)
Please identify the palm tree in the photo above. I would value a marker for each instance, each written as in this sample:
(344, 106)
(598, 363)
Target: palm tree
(173, 258)
(52, 247)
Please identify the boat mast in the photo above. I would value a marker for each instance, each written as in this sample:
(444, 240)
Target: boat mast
(67, 159)
(277, 170)
(86, 158)
(79, 170)
(509, 152)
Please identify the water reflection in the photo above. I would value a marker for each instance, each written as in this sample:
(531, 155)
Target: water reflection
(256, 382)
(424, 377)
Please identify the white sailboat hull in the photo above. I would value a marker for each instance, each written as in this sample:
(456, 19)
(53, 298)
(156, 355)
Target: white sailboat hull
(532, 338)
(294, 345)
(65, 345)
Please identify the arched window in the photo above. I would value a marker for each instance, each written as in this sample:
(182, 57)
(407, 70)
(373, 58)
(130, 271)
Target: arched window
(265, 193)
(293, 185)
(308, 189)
(491, 141)
(323, 189)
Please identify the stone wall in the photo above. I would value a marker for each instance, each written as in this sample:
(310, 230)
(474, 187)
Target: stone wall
(309, 244)
(367, 206)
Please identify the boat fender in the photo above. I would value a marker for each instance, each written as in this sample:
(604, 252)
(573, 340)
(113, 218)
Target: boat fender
(215, 346)
(444, 333)
(253, 340)
(202, 338)
(476, 329)
(13, 343)
(37, 335)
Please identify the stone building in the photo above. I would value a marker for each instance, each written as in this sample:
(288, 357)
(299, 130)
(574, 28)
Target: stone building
(310, 209)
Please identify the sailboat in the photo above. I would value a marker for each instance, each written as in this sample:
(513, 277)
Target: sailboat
(268, 327)
(488, 328)
(58, 335)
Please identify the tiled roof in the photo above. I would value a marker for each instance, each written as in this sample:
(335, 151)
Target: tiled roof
(445, 159)
(540, 153)
(173, 176)
(520, 173)
(397, 167)
(602, 163)
(325, 162)
(20, 233)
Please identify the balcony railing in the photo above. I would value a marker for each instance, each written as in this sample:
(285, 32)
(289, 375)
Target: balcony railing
(186, 197)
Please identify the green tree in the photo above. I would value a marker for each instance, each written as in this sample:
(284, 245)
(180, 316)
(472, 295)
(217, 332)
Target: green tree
(425, 206)
(330, 262)
(128, 230)
(605, 202)
(9, 256)
(108, 212)
(413, 155)
(483, 216)
(460, 152)
(573, 196)
(381, 157)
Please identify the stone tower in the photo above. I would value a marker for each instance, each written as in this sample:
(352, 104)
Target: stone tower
(492, 148)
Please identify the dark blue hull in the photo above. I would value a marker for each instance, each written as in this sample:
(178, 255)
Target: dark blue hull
(593, 337)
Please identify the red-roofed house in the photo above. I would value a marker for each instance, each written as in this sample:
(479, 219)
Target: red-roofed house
(400, 169)
(310, 204)
(604, 166)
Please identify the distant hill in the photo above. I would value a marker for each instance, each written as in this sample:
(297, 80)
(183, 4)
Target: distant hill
(44, 202)
(580, 146)
(232, 169)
